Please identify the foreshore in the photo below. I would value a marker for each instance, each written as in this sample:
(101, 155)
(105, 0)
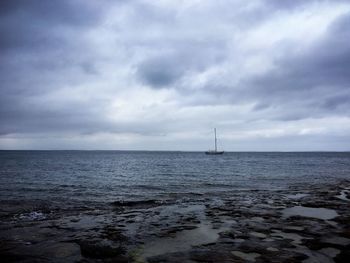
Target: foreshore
(309, 223)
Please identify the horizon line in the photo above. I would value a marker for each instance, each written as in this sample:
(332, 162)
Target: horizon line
(197, 151)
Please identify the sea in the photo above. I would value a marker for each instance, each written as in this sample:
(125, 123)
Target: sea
(106, 176)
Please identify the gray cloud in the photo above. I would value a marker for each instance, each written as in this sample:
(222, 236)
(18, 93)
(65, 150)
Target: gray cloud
(186, 58)
(38, 24)
(318, 78)
(161, 71)
(148, 68)
(311, 83)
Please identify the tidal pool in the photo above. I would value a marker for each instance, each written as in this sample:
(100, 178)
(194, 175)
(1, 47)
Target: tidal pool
(319, 213)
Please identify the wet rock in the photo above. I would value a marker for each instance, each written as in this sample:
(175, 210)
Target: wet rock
(268, 240)
(315, 244)
(67, 251)
(99, 250)
(113, 234)
(230, 240)
(246, 256)
(227, 234)
(257, 234)
(169, 258)
(210, 256)
(42, 252)
(293, 228)
(296, 239)
(329, 251)
(258, 219)
(343, 256)
(136, 204)
(343, 220)
(272, 249)
(320, 243)
(296, 196)
(175, 229)
(341, 241)
(192, 218)
(346, 233)
(183, 232)
(8, 256)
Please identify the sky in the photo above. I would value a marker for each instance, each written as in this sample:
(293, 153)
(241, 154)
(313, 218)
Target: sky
(270, 75)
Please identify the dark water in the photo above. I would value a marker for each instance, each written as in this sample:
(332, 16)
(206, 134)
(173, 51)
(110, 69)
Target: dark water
(104, 176)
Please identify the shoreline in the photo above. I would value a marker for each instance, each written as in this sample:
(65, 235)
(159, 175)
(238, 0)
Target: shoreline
(301, 224)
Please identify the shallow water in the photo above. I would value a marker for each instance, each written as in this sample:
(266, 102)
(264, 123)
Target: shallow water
(182, 241)
(319, 213)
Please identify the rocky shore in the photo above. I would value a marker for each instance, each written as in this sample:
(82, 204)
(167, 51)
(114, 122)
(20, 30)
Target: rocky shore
(302, 224)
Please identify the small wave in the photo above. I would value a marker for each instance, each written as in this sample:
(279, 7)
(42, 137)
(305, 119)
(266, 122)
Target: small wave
(137, 203)
(223, 185)
(33, 216)
(149, 187)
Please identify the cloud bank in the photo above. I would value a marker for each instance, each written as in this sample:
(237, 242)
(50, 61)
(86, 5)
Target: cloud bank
(160, 75)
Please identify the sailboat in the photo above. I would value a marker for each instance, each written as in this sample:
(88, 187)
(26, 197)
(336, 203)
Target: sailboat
(214, 152)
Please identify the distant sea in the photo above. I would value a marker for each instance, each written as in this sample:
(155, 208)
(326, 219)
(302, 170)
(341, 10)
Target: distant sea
(106, 176)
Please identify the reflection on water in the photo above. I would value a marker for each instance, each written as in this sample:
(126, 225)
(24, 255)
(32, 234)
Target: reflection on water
(182, 241)
(320, 213)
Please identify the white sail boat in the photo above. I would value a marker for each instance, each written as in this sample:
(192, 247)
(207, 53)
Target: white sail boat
(214, 152)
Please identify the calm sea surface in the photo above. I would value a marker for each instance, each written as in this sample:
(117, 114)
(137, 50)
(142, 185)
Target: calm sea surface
(104, 176)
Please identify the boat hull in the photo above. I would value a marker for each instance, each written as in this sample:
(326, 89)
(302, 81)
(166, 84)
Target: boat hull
(214, 152)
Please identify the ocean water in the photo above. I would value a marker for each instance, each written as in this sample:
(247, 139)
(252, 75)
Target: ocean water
(106, 176)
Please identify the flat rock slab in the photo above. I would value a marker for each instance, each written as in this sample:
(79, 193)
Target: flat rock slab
(296, 196)
(246, 256)
(257, 234)
(272, 249)
(342, 241)
(329, 252)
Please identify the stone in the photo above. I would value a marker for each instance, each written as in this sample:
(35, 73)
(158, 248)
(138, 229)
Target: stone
(92, 249)
(272, 249)
(257, 234)
(246, 256)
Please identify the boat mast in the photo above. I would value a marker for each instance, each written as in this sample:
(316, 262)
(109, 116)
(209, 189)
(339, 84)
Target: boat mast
(215, 140)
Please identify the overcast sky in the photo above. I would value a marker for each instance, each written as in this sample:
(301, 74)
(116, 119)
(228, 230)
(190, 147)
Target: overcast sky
(161, 74)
